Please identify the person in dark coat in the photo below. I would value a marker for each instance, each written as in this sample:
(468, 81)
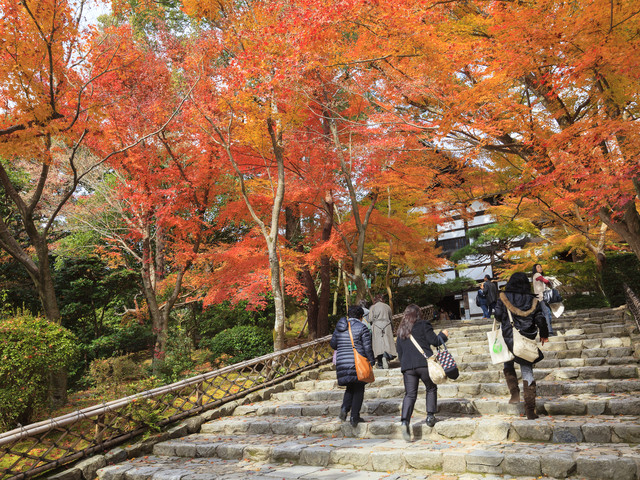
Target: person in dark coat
(490, 290)
(481, 301)
(529, 320)
(345, 361)
(413, 364)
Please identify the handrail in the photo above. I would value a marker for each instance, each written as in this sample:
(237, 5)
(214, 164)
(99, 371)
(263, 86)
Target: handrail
(39, 447)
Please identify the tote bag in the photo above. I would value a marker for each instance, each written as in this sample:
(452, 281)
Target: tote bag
(523, 347)
(448, 363)
(436, 372)
(497, 347)
(364, 370)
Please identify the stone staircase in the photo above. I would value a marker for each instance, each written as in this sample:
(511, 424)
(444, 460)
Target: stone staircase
(588, 399)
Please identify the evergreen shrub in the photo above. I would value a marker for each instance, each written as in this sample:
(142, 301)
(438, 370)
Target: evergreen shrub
(580, 301)
(240, 343)
(619, 269)
(30, 348)
(112, 374)
(124, 339)
(178, 361)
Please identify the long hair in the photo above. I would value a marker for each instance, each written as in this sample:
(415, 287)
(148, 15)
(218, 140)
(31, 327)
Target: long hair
(411, 315)
(535, 271)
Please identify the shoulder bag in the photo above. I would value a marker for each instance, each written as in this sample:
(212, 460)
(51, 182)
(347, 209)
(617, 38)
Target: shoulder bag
(364, 370)
(523, 347)
(436, 372)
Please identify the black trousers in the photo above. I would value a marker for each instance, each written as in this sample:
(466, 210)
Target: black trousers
(353, 398)
(411, 381)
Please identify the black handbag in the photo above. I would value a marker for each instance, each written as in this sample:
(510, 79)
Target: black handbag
(552, 295)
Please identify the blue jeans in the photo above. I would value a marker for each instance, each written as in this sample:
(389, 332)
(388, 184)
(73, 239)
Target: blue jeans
(525, 370)
(547, 315)
(485, 310)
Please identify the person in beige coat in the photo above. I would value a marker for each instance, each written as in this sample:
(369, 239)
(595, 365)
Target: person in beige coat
(540, 284)
(384, 348)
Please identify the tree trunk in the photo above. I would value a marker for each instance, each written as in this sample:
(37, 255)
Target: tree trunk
(45, 287)
(627, 226)
(325, 271)
(278, 299)
(312, 305)
(361, 224)
(58, 379)
(335, 293)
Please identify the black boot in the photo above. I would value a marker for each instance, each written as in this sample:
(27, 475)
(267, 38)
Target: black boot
(530, 400)
(431, 419)
(406, 432)
(512, 383)
(343, 414)
(354, 421)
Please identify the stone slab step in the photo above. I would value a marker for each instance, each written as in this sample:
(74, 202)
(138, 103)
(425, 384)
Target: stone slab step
(612, 356)
(558, 343)
(593, 429)
(178, 468)
(586, 460)
(550, 369)
(576, 404)
(459, 338)
(492, 385)
(589, 325)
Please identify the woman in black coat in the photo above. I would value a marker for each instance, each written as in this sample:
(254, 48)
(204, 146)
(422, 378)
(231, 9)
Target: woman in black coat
(529, 320)
(413, 364)
(345, 362)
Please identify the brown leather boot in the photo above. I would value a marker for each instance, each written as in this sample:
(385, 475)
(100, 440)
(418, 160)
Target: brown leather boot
(530, 400)
(512, 383)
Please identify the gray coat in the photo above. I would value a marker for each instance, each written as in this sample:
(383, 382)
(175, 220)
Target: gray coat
(381, 329)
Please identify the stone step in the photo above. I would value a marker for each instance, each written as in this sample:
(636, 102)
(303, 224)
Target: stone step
(565, 368)
(581, 316)
(453, 389)
(179, 468)
(608, 353)
(570, 334)
(600, 356)
(586, 460)
(555, 344)
(569, 404)
(468, 390)
(595, 429)
(589, 426)
(564, 322)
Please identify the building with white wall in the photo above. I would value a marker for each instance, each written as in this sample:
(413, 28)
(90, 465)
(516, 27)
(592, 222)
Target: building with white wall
(452, 236)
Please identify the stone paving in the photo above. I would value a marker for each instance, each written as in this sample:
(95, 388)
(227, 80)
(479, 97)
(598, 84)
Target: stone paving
(589, 402)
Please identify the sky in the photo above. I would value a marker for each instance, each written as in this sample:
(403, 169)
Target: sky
(93, 10)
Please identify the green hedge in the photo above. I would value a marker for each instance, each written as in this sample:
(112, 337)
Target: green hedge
(30, 348)
(620, 268)
(581, 301)
(239, 343)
